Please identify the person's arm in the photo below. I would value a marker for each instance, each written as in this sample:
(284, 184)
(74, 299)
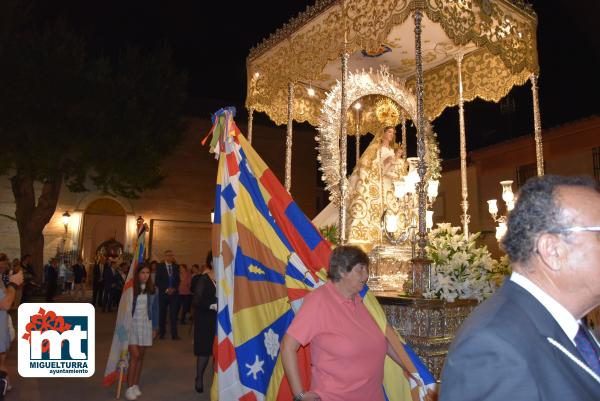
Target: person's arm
(289, 347)
(289, 358)
(391, 352)
(176, 278)
(10, 291)
(155, 314)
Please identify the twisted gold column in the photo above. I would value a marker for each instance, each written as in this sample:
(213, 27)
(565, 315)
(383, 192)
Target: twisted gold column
(537, 126)
(357, 144)
(343, 150)
(288, 139)
(404, 147)
(464, 218)
(250, 123)
(422, 167)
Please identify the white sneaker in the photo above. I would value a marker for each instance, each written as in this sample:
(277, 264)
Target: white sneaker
(137, 390)
(130, 394)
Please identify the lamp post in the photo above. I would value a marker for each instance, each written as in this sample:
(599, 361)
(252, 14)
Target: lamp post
(66, 218)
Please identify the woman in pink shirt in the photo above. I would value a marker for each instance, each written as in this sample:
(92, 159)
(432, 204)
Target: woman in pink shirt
(347, 347)
(185, 292)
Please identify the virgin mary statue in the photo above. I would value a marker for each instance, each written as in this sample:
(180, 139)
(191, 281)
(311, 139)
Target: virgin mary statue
(370, 192)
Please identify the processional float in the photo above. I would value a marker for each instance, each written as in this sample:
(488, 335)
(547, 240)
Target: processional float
(341, 65)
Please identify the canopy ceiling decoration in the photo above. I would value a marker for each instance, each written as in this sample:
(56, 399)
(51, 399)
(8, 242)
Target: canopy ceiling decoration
(496, 38)
(449, 52)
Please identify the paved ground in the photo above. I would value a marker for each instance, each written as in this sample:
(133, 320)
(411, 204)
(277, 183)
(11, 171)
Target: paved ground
(168, 374)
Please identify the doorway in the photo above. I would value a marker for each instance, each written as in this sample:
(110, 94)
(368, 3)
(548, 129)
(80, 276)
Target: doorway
(104, 221)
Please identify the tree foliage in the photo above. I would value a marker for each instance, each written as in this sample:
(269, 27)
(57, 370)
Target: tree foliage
(89, 122)
(83, 120)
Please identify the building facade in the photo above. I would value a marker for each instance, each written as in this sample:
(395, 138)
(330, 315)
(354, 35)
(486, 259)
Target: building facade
(178, 211)
(569, 149)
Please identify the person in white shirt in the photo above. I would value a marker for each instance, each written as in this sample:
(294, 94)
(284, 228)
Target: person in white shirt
(527, 342)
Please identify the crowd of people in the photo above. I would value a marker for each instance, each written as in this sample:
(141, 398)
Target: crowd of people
(168, 289)
(163, 292)
(528, 341)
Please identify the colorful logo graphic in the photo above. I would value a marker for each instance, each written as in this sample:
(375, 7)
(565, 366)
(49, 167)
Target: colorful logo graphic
(56, 340)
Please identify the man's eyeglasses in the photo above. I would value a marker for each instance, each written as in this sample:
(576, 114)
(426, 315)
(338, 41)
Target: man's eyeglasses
(577, 229)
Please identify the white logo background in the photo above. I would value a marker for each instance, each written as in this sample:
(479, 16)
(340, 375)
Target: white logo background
(79, 365)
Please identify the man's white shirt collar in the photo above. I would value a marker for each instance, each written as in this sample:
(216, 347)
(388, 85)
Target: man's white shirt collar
(562, 316)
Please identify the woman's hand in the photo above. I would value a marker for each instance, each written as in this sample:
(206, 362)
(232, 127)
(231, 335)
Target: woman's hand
(16, 278)
(311, 396)
(154, 334)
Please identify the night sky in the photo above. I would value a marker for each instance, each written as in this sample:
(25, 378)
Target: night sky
(211, 41)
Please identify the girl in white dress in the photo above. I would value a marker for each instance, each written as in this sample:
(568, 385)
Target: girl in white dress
(143, 327)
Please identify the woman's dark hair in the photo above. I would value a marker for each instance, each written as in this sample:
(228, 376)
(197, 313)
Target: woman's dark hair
(343, 259)
(537, 211)
(137, 288)
(209, 260)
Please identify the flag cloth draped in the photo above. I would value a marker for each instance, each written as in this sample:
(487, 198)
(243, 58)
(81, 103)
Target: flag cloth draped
(118, 356)
(267, 256)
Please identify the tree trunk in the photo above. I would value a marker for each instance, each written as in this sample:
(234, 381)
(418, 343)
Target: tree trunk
(32, 218)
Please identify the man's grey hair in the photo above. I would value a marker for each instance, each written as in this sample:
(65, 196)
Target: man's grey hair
(536, 212)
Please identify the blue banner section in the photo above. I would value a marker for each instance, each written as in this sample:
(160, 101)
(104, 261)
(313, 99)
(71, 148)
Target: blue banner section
(305, 228)
(257, 356)
(229, 195)
(293, 272)
(224, 319)
(252, 269)
(251, 184)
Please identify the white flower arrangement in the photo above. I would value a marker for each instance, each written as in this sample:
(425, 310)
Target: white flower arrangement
(461, 269)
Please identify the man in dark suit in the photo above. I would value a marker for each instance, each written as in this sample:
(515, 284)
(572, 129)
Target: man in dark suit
(528, 341)
(108, 279)
(97, 281)
(51, 279)
(167, 282)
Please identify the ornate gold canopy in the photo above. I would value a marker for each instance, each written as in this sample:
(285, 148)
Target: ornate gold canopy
(497, 39)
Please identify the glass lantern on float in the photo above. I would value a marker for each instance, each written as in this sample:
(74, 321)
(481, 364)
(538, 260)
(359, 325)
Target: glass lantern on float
(402, 226)
(509, 199)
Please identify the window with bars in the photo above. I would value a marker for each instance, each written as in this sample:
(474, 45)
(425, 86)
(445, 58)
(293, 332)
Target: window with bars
(525, 172)
(596, 157)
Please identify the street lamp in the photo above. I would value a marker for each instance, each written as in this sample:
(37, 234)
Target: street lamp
(66, 217)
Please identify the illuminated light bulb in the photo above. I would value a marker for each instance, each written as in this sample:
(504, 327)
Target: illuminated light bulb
(500, 231)
(391, 223)
(510, 205)
(507, 193)
(432, 188)
(400, 189)
(429, 219)
(493, 206)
